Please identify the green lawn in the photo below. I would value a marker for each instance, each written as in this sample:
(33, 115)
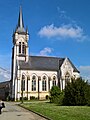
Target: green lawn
(60, 112)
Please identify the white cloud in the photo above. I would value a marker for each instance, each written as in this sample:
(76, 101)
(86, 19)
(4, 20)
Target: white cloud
(63, 32)
(45, 51)
(63, 15)
(86, 68)
(4, 75)
(85, 72)
(69, 30)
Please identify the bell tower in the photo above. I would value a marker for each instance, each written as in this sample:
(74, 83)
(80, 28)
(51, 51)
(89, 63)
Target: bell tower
(20, 40)
(20, 49)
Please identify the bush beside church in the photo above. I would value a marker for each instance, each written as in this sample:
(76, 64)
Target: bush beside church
(76, 93)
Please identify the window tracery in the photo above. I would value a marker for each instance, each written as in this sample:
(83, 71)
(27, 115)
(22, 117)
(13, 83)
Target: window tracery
(23, 83)
(44, 83)
(54, 81)
(34, 83)
(22, 48)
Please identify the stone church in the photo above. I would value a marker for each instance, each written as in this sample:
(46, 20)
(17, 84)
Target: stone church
(34, 76)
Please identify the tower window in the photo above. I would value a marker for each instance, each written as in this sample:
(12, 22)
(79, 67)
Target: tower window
(19, 47)
(23, 48)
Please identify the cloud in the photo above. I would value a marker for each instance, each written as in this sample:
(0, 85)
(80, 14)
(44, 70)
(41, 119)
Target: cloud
(63, 15)
(4, 75)
(62, 32)
(68, 30)
(45, 51)
(85, 72)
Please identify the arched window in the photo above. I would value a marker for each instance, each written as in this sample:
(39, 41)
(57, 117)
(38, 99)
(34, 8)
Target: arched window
(19, 47)
(23, 83)
(23, 48)
(67, 78)
(54, 81)
(44, 83)
(34, 83)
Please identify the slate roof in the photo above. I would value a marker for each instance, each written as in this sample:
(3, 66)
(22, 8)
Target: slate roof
(43, 63)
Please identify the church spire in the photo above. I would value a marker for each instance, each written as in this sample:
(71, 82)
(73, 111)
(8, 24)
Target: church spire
(20, 26)
(20, 19)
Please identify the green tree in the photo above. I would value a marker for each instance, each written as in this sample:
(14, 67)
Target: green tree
(87, 94)
(76, 93)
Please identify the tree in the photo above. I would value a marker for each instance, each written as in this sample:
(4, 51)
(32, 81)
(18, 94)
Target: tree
(87, 94)
(76, 93)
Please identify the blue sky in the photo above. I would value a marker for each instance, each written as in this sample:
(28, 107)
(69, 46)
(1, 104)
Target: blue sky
(57, 28)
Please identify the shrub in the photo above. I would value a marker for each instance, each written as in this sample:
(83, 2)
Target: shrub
(32, 98)
(55, 95)
(25, 98)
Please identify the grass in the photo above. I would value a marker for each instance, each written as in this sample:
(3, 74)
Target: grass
(60, 112)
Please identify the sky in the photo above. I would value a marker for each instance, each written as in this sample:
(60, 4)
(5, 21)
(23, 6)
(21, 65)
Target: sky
(59, 28)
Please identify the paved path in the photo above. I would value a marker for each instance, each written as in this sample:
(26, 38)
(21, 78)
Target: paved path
(14, 112)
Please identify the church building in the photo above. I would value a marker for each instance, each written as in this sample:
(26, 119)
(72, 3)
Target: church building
(34, 76)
